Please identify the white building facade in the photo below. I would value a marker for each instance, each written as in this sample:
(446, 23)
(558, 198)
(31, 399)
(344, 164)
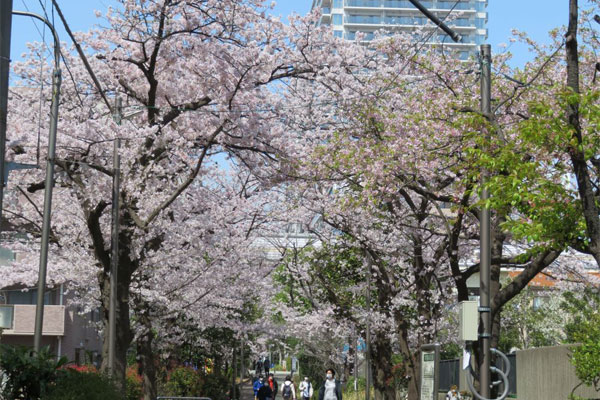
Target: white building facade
(467, 17)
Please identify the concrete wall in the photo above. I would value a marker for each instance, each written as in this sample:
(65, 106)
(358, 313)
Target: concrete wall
(546, 373)
(65, 330)
(81, 336)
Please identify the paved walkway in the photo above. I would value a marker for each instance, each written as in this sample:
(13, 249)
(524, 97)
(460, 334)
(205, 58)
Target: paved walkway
(247, 392)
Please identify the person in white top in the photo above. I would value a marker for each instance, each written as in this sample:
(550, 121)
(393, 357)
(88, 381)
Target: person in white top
(288, 391)
(306, 389)
(453, 393)
(331, 389)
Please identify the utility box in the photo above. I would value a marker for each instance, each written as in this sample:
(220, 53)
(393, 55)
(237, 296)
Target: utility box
(468, 320)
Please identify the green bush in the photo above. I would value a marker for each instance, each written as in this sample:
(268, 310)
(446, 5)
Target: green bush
(75, 385)
(183, 381)
(133, 384)
(361, 384)
(213, 386)
(28, 375)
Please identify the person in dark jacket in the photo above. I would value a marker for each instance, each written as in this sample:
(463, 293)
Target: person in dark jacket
(265, 392)
(273, 384)
(332, 388)
(267, 365)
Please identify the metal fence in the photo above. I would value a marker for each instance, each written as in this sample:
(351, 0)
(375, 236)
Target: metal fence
(450, 373)
(181, 398)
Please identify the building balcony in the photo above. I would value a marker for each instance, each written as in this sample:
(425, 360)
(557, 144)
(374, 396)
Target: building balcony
(19, 319)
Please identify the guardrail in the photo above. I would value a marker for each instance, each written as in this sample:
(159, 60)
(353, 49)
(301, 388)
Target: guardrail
(181, 398)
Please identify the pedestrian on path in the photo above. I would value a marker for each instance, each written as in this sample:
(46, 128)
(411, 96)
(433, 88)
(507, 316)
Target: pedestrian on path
(267, 365)
(288, 391)
(265, 392)
(306, 389)
(257, 385)
(259, 367)
(332, 388)
(274, 385)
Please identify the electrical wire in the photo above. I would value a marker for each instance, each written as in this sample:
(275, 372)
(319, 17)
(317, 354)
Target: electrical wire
(62, 56)
(39, 133)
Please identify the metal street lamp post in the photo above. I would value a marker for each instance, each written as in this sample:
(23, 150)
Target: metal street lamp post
(49, 183)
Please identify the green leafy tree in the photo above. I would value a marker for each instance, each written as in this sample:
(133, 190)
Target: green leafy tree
(533, 318)
(584, 330)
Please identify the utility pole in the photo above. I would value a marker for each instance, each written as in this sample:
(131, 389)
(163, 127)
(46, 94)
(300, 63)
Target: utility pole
(5, 31)
(114, 258)
(485, 335)
(48, 185)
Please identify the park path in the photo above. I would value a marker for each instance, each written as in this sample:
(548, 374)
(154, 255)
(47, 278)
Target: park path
(247, 392)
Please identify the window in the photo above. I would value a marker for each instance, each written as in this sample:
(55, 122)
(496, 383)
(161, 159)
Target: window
(26, 297)
(337, 19)
(539, 301)
(338, 4)
(338, 34)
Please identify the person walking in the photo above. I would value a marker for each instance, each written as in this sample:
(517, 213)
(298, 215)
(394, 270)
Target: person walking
(267, 365)
(259, 367)
(274, 385)
(288, 391)
(305, 388)
(453, 393)
(265, 392)
(332, 388)
(257, 385)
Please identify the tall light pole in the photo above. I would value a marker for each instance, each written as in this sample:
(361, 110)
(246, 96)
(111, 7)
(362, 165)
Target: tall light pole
(49, 184)
(485, 220)
(485, 335)
(5, 31)
(368, 333)
(114, 257)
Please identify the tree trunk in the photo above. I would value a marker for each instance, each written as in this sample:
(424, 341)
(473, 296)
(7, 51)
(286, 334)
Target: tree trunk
(147, 360)
(585, 185)
(349, 362)
(412, 366)
(124, 335)
(383, 376)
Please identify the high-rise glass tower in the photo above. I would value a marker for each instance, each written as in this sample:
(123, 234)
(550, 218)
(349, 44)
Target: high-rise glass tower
(467, 17)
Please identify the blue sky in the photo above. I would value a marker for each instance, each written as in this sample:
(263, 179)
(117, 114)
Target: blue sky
(536, 17)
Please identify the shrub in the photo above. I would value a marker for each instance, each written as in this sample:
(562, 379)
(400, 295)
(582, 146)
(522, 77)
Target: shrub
(28, 375)
(75, 385)
(183, 381)
(215, 386)
(133, 384)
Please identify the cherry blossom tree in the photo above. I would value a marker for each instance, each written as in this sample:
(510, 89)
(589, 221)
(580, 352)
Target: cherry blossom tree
(202, 126)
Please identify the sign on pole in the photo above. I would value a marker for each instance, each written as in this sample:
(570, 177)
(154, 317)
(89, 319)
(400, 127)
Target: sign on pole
(430, 362)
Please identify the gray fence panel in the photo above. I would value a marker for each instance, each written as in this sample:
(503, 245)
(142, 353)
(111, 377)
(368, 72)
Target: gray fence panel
(181, 398)
(449, 374)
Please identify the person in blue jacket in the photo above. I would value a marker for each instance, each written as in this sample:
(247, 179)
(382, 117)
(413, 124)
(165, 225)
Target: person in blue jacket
(257, 385)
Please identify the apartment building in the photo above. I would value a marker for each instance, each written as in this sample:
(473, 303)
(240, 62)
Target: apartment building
(467, 17)
(66, 330)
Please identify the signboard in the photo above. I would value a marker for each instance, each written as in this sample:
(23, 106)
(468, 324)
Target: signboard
(430, 361)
